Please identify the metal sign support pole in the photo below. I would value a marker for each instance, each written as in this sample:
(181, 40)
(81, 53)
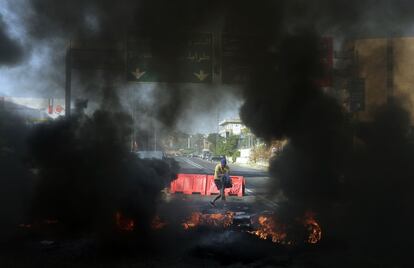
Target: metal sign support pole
(68, 81)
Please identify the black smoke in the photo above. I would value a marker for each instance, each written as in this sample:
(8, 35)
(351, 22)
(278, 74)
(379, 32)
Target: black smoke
(110, 24)
(11, 51)
(87, 173)
(351, 174)
(16, 178)
(330, 162)
(285, 101)
(380, 188)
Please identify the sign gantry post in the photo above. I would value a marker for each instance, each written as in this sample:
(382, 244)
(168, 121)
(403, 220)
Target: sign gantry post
(68, 84)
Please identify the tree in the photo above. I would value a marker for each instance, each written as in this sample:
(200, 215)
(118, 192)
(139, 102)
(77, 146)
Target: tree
(260, 153)
(228, 147)
(212, 138)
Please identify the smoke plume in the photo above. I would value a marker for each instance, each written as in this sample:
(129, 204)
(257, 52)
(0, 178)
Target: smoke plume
(379, 185)
(106, 23)
(10, 50)
(324, 168)
(87, 174)
(346, 172)
(16, 180)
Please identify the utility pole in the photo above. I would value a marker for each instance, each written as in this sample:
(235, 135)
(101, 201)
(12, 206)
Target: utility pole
(68, 82)
(155, 138)
(132, 107)
(218, 129)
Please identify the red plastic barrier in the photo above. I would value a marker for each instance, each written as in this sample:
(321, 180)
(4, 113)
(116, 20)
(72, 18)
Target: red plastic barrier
(177, 185)
(189, 184)
(237, 189)
(238, 186)
(211, 186)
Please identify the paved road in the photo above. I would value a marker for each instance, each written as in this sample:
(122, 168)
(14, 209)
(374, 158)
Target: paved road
(257, 180)
(198, 165)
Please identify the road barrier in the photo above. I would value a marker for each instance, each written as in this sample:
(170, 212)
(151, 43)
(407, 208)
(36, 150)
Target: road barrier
(189, 184)
(237, 188)
(204, 185)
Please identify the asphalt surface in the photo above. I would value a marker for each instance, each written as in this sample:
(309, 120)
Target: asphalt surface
(256, 191)
(198, 165)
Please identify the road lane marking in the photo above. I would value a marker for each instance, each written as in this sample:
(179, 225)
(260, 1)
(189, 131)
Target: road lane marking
(188, 161)
(191, 163)
(206, 168)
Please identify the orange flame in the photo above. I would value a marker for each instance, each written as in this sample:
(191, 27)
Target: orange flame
(269, 229)
(193, 221)
(216, 219)
(123, 223)
(315, 231)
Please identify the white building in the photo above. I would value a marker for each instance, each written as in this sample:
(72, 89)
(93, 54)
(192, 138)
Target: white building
(229, 127)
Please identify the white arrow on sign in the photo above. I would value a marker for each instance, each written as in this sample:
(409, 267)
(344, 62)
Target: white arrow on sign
(201, 75)
(137, 73)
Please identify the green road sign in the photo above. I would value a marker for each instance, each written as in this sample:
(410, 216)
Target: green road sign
(176, 58)
(95, 59)
(240, 53)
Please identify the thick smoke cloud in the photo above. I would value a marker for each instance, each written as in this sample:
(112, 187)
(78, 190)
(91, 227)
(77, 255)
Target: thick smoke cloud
(11, 51)
(86, 173)
(352, 18)
(96, 175)
(344, 171)
(16, 180)
(380, 186)
(107, 22)
(284, 101)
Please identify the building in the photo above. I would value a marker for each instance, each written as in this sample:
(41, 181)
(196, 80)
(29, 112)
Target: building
(382, 71)
(229, 127)
(247, 145)
(34, 109)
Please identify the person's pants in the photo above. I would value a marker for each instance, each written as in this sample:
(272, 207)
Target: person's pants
(224, 179)
(221, 186)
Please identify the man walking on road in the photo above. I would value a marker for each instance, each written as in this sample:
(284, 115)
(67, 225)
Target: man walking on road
(221, 179)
